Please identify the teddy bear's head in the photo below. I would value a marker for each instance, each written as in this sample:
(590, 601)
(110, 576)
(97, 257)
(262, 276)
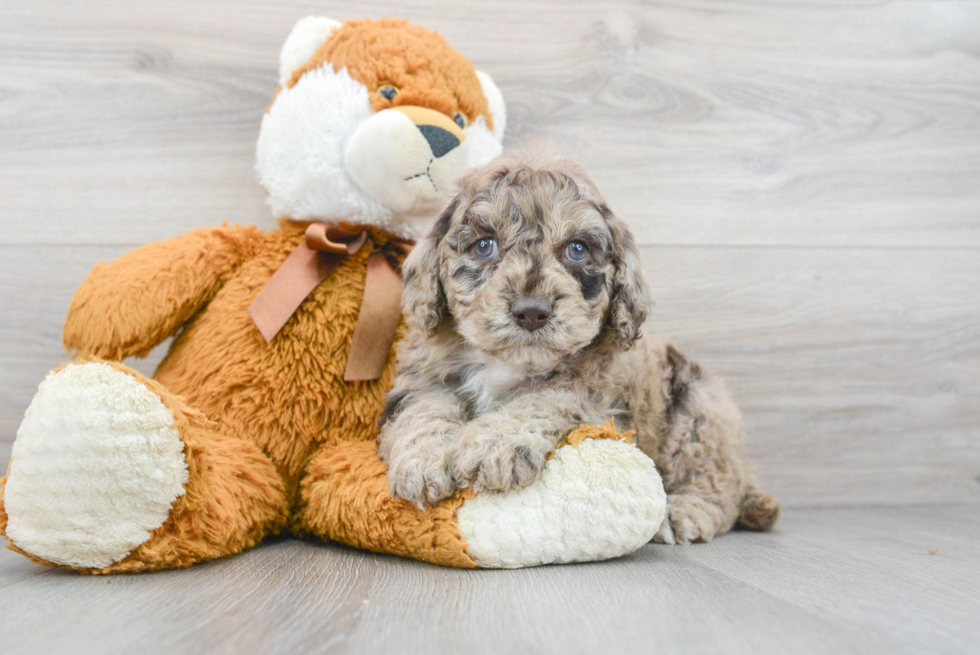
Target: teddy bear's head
(372, 122)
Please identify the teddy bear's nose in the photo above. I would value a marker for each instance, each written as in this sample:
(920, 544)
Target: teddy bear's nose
(440, 132)
(531, 313)
(441, 141)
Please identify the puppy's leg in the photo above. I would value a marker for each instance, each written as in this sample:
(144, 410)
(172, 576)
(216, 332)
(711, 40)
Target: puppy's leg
(508, 448)
(698, 449)
(416, 441)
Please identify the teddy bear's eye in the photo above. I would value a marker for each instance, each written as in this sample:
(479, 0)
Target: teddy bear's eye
(460, 120)
(388, 91)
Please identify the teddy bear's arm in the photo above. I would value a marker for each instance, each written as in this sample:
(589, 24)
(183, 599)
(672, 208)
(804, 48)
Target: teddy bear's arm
(129, 305)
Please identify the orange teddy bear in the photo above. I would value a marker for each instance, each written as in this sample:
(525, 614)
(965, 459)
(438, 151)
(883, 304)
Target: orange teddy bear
(264, 413)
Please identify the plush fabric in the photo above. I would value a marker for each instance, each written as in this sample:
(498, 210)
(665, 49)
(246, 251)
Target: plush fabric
(565, 516)
(418, 62)
(288, 397)
(231, 495)
(306, 156)
(97, 464)
(346, 499)
(271, 405)
(236, 438)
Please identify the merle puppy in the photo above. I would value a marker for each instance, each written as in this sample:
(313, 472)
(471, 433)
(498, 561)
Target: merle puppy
(523, 308)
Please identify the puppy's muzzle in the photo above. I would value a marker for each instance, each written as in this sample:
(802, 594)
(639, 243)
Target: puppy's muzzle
(531, 313)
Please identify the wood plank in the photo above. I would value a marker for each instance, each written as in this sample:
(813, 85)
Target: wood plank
(849, 581)
(856, 369)
(767, 123)
(910, 573)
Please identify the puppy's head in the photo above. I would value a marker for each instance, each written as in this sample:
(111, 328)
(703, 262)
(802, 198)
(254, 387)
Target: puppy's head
(530, 265)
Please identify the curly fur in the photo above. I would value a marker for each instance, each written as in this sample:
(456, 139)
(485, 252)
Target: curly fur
(480, 401)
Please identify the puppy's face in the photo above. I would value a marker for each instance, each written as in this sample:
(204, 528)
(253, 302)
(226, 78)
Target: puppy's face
(529, 264)
(525, 266)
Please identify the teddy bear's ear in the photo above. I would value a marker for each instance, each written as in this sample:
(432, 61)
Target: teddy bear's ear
(495, 102)
(307, 35)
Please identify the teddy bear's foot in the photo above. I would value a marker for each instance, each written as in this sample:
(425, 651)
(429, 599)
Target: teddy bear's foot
(112, 473)
(96, 467)
(597, 498)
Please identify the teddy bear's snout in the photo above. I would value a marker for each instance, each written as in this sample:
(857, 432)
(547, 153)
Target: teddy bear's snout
(406, 157)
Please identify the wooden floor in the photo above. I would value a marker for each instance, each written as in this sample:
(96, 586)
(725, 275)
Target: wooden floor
(804, 180)
(855, 580)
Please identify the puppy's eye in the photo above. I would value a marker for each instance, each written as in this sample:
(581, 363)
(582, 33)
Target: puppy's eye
(577, 252)
(486, 248)
(460, 120)
(388, 91)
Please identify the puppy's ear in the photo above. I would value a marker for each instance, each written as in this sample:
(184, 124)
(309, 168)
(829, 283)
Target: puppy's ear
(424, 301)
(630, 299)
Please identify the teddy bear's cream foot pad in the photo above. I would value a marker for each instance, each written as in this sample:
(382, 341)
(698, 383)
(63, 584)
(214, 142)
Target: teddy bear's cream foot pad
(95, 468)
(598, 500)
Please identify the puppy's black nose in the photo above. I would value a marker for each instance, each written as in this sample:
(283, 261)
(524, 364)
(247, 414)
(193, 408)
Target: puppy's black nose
(531, 313)
(441, 141)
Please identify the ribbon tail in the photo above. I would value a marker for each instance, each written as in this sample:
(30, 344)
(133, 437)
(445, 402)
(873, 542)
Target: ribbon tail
(377, 321)
(288, 287)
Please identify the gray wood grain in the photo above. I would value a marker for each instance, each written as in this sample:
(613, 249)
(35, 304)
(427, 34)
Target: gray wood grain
(829, 580)
(770, 122)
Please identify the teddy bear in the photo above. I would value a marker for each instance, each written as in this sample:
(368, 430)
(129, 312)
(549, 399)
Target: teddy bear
(263, 416)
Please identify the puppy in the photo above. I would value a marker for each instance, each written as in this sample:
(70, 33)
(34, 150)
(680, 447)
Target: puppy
(523, 309)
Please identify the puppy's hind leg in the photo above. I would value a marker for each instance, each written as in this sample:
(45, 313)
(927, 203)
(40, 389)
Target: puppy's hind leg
(690, 517)
(760, 509)
(698, 452)
(696, 513)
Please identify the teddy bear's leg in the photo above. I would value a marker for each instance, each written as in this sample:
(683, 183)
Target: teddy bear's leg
(598, 497)
(110, 473)
(345, 498)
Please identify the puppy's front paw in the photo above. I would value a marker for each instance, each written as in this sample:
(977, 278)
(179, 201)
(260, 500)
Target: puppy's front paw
(421, 478)
(498, 464)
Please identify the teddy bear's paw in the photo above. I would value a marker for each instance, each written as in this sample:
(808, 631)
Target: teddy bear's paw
(598, 500)
(95, 468)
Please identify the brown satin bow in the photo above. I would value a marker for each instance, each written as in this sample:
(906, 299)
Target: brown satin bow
(323, 249)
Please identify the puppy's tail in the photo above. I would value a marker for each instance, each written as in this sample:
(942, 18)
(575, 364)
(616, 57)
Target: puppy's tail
(760, 510)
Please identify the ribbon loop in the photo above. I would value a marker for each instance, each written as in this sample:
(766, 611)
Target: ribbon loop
(323, 249)
(335, 239)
